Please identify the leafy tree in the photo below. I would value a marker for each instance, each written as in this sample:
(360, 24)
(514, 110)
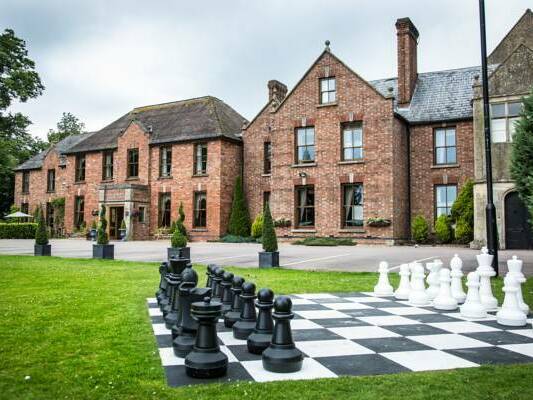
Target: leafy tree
(443, 230)
(101, 235)
(270, 241)
(68, 125)
(522, 155)
(41, 235)
(239, 222)
(419, 229)
(462, 213)
(18, 82)
(257, 226)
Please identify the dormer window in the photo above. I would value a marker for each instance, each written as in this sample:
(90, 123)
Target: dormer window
(328, 90)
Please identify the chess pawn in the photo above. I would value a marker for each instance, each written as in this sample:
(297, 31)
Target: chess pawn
(213, 286)
(227, 299)
(457, 274)
(282, 356)
(412, 270)
(383, 288)
(515, 268)
(418, 295)
(234, 314)
(472, 307)
(170, 311)
(206, 360)
(433, 278)
(163, 271)
(510, 314)
(246, 323)
(217, 280)
(210, 269)
(402, 293)
(485, 272)
(444, 300)
(261, 337)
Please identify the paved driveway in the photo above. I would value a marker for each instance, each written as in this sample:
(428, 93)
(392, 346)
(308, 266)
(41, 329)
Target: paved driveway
(350, 258)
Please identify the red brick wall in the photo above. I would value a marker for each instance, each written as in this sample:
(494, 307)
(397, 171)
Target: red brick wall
(424, 175)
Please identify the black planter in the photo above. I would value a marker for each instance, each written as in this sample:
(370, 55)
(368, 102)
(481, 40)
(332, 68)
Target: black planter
(42, 250)
(268, 259)
(106, 251)
(183, 252)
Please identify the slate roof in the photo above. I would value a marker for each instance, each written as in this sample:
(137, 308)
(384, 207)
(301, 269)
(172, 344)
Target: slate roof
(200, 118)
(438, 96)
(36, 161)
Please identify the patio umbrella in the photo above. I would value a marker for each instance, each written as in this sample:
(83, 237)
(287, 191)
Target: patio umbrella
(19, 214)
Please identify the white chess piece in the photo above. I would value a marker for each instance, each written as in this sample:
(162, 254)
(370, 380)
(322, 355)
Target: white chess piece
(515, 268)
(456, 264)
(402, 293)
(433, 279)
(445, 300)
(510, 314)
(383, 288)
(485, 272)
(472, 307)
(418, 295)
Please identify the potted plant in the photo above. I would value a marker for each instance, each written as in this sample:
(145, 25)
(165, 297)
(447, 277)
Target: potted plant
(122, 230)
(269, 257)
(41, 247)
(93, 230)
(102, 248)
(378, 222)
(179, 248)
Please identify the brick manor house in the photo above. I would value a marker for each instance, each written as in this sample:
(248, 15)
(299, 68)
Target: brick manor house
(329, 155)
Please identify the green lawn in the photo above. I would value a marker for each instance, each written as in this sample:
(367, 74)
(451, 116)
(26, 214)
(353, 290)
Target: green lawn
(80, 329)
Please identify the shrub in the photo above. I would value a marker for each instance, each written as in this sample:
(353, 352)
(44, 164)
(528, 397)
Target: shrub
(270, 241)
(238, 239)
(325, 241)
(239, 222)
(172, 227)
(462, 213)
(25, 230)
(177, 239)
(93, 225)
(463, 232)
(101, 237)
(180, 223)
(257, 226)
(41, 235)
(419, 229)
(443, 230)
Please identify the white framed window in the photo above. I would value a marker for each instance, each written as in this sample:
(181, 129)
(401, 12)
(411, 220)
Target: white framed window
(502, 120)
(328, 90)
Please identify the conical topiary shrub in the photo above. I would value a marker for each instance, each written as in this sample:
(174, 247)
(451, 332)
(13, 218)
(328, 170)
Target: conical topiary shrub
(41, 248)
(270, 256)
(239, 222)
(178, 243)
(101, 237)
(102, 248)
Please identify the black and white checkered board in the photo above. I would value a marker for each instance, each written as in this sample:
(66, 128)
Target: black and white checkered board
(360, 334)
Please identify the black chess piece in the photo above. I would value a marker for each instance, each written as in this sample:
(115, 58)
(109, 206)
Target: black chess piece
(227, 296)
(282, 355)
(171, 316)
(261, 337)
(217, 279)
(234, 314)
(163, 271)
(246, 323)
(206, 360)
(184, 332)
(212, 282)
(209, 274)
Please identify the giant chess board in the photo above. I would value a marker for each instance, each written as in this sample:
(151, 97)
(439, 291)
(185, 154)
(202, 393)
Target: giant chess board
(361, 334)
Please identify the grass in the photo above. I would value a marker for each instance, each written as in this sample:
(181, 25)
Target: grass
(80, 329)
(325, 241)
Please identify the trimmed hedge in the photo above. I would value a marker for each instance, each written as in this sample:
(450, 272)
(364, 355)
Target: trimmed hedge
(25, 230)
(325, 241)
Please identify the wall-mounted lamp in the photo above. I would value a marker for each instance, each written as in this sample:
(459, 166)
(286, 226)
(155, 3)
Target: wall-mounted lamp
(303, 175)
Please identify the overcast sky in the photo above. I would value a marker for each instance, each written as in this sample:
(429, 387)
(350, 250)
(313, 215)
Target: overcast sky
(100, 58)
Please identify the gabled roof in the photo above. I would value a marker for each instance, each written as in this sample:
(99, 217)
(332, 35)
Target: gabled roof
(36, 162)
(520, 34)
(200, 118)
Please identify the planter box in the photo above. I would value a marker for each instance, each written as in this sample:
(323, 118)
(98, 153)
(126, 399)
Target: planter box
(268, 259)
(106, 251)
(42, 250)
(183, 252)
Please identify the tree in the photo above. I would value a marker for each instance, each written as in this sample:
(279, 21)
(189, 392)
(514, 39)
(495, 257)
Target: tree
(239, 222)
(41, 235)
(462, 213)
(443, 230)
(180, 223)
(270, 241)
(419, 229)
(18, 82)
(101, 236)
(522, 155)
(257, 226)
(68, 125)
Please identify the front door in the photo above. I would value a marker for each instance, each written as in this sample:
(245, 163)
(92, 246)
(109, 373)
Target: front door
(116, 215)
(517, 230)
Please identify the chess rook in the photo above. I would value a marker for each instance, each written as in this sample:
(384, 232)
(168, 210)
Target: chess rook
(456, 264)
(445, 300)
(261, 337)
(383, 288)
(510, 314)
(472, 307)
(282, 356)
(234, 314)
(246, 323)
(404, 288)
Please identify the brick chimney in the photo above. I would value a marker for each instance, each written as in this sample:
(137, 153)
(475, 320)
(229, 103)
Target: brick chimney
(407, 37)
(276, 91)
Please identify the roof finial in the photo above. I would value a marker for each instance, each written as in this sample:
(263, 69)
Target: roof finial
(327, 45)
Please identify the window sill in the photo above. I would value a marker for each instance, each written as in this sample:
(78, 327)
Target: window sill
(266, 175)
(327, 105)
(79, 183)
(437, 166)
(132, 178)
(50, 191)
(24, 193)
(348, 162)
(305, 165)
(303, 230)
(106, 181)
(164, 177)
(199, 230)
(347, 230)
(200, 175)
